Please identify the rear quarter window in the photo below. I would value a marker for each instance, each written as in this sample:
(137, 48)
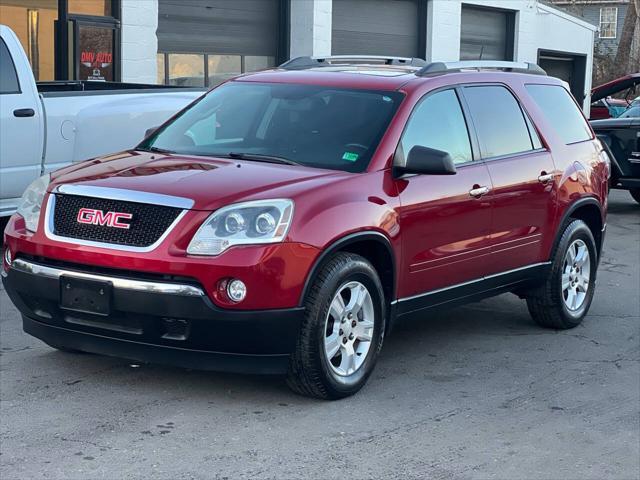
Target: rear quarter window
(561, 112)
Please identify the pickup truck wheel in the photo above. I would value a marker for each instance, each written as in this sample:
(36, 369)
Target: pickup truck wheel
(563, 300)
(341, 334)
(635, 193)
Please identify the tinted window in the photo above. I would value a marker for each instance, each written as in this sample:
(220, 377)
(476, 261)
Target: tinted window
(561, 112)
(437, 122)
(8, 76)
(497, 116)
(317, 126)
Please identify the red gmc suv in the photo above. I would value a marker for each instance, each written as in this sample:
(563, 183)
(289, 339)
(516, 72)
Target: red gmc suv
(285, 220)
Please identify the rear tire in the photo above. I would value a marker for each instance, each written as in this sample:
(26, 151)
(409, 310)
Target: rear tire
(635, 193)
(342, 331)
(564, 299)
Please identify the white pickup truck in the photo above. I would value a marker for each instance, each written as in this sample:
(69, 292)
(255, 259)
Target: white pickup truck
(48, 125)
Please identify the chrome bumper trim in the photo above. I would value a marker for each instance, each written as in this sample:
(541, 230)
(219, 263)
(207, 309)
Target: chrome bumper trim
(471, 282)
(126, 195)
(31, 268)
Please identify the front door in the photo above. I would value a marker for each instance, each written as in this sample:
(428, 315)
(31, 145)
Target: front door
(445, 220)
(21, 132)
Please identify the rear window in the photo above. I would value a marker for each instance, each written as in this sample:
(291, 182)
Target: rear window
(561, 112)
(8, 76)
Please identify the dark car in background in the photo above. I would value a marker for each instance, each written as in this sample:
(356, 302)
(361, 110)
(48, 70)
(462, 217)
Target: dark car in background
(621, 136)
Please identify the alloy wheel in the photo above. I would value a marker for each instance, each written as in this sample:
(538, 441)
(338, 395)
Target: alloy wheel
(576, 275)
(349, 328)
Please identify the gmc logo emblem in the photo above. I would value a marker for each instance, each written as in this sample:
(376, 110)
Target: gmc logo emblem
(91, 216)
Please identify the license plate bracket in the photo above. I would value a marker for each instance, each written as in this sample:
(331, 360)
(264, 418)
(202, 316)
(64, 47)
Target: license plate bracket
(85, 296)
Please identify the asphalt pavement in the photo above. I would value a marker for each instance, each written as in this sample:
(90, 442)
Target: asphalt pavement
(476, 392)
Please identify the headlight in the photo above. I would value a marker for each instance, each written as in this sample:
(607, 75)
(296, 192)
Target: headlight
(31, 202)
(262, 221)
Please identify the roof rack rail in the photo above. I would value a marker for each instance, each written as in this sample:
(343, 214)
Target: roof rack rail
(302, 63)
(519, 67)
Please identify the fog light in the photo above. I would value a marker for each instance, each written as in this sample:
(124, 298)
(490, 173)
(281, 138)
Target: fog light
(7, 256)
(237, 290)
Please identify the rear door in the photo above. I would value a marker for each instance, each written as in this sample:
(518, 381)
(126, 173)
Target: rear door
(21, 132)
(522, 173)
(445, 220)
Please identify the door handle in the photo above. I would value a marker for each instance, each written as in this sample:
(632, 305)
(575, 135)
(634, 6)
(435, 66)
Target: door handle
(479, 191)
(545, 177)
(24, 112)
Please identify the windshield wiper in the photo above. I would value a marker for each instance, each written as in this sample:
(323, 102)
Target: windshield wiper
(258, 157)
(156, 150)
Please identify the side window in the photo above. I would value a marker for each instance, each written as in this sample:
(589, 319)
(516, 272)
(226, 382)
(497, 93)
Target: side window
(8, 76)
(561, 112)
(499, 121)
(438, 122)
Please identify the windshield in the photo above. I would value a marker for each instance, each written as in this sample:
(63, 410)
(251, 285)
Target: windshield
(310, 125)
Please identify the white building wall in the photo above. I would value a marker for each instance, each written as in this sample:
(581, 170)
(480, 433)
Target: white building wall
(443, 30)
(537, 27)
(139, 41)
(311, 22)
(556, 30)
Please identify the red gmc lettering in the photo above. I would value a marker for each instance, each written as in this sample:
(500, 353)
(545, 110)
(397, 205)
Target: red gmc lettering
(91, 216)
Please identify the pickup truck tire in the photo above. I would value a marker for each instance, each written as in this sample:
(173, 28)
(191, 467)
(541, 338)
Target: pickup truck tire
(345, 306)
(635, 193)
(564, 299)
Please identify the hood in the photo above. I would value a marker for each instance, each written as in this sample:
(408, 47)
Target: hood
(615, 86)
(209, 182)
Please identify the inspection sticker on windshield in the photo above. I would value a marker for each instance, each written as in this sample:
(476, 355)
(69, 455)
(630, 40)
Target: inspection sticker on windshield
(350, 156)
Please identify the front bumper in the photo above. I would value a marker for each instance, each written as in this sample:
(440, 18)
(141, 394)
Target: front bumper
(153, 320)
(274, 274)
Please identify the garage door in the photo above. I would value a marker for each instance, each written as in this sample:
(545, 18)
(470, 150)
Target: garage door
(375, 27)
(486, 34)
(237, 27)
(568, 67)
(205, 42)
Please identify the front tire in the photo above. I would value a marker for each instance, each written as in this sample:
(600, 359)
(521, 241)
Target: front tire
(342, 332)
(635, 193)
(564, 299)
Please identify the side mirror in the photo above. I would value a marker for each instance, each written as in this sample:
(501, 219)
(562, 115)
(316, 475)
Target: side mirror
(150, 131)
(427, 161)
